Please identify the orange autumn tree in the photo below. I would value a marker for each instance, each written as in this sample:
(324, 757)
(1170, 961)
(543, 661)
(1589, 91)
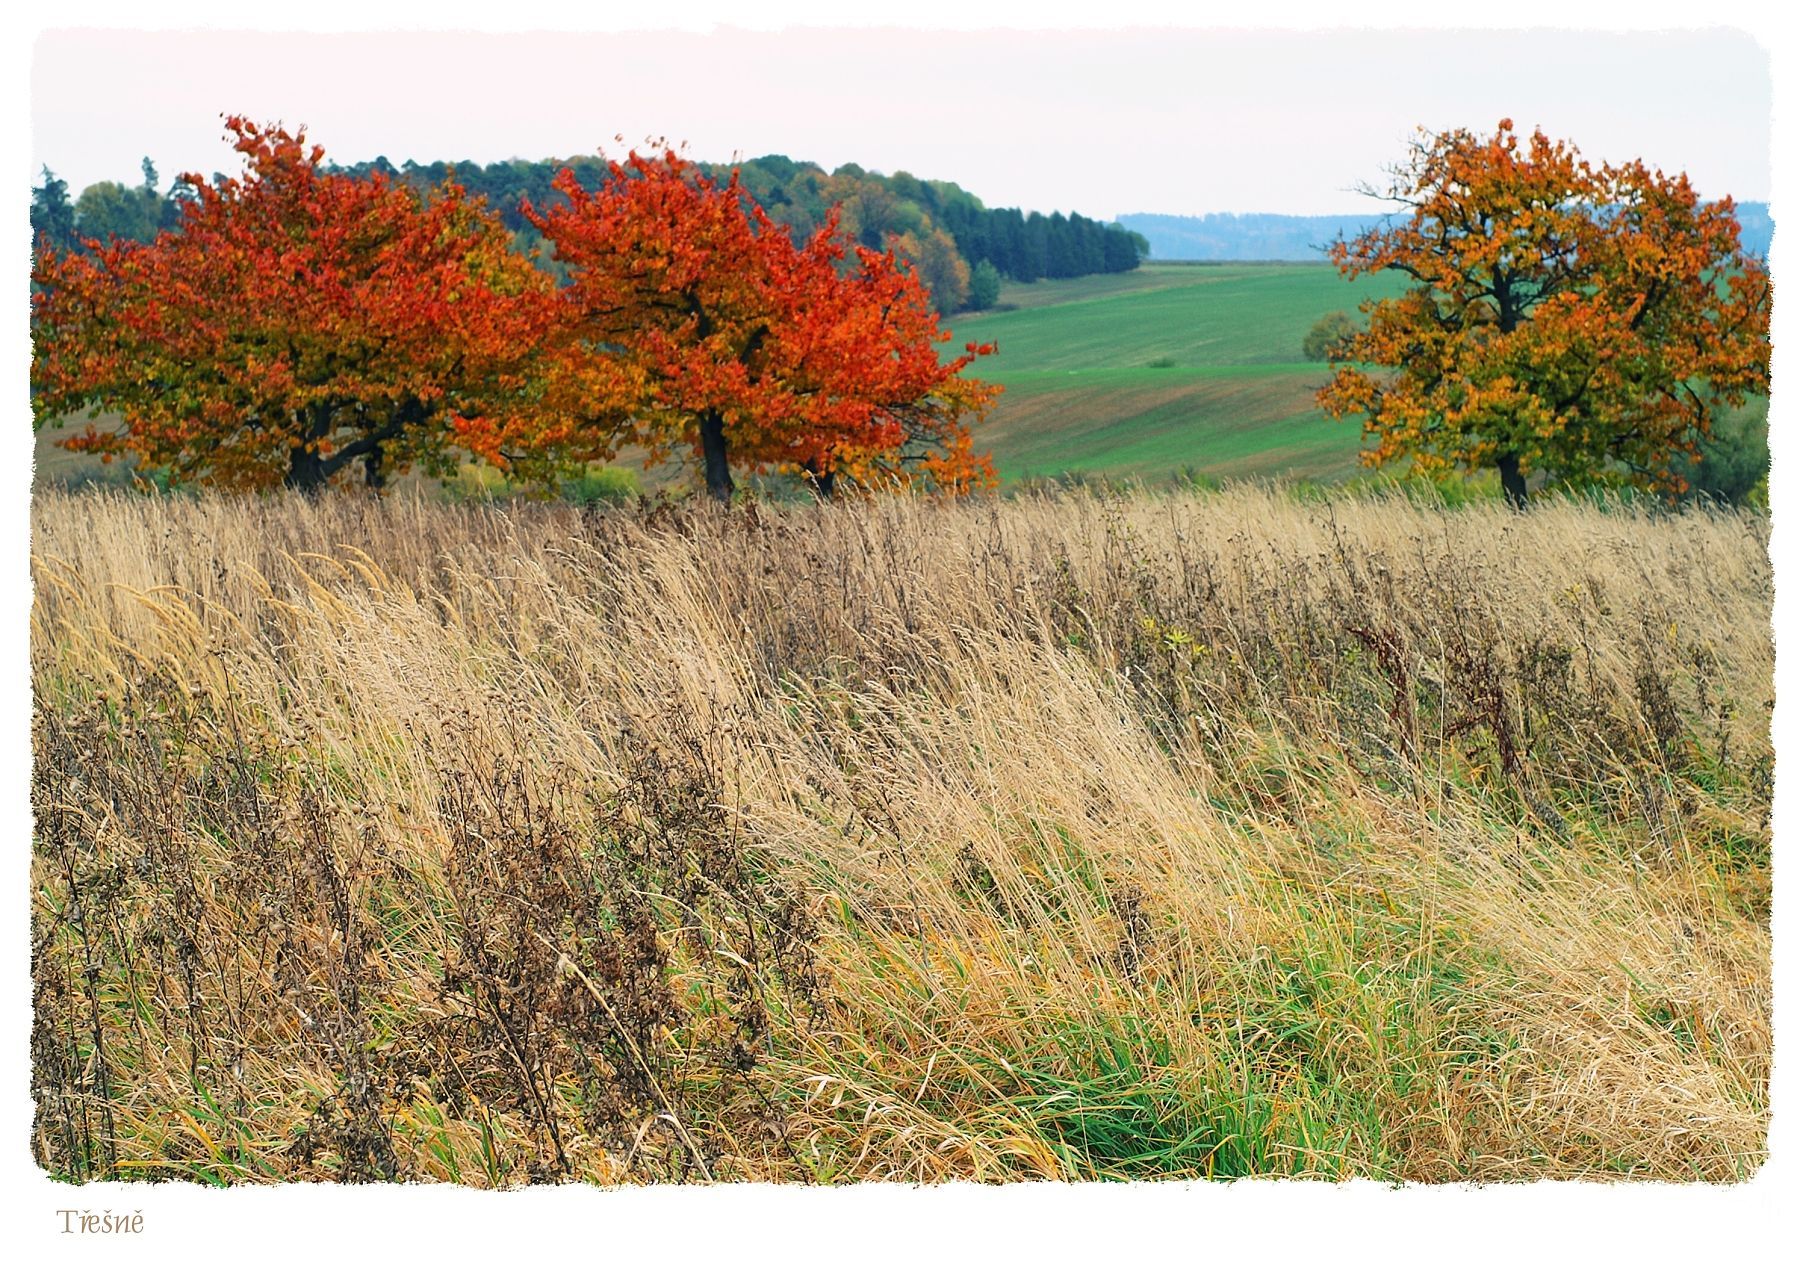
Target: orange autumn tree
(859, 354)
(694, 324)
(298, 322)
(1576, 320)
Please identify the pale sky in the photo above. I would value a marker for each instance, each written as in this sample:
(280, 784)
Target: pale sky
(1100, 122)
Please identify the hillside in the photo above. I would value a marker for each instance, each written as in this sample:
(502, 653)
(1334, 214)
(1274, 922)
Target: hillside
(1269, 236)
(1169, 367)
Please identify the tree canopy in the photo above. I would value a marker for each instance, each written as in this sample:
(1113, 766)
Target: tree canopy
(1325, 334)
(52, 215)
(693, 323)
(1577, 320)
(294, 322)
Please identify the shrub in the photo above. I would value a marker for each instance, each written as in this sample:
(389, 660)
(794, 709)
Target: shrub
(1194, 477)
(1734, 461)
(601, 483)
(1326, 334)
(984, 286)
(476, 483)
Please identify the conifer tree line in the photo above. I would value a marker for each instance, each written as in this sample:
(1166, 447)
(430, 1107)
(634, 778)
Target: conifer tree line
(961, 248)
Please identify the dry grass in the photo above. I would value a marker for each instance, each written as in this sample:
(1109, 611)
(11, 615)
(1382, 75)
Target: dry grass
(1071, 838)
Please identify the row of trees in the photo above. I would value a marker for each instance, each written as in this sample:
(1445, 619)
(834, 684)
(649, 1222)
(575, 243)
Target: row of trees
(945, 232)
(105, 210)
(301, 324)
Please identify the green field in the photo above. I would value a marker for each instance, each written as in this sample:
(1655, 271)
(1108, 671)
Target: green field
(1170, 367)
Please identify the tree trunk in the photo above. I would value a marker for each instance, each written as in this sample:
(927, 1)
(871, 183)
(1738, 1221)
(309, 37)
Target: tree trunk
(823, 483)
(712, 449)
(372, 473)
(306, 471)
(1512, 481)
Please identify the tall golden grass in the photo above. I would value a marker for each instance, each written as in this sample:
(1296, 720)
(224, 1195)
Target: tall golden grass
(1060, 837)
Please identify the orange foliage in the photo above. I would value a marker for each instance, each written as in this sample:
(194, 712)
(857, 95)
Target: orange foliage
(299, 320)
(1578, 320)
(694, 323)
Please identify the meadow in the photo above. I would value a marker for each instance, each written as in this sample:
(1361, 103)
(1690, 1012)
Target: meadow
(1170, 367)
(1081, 836)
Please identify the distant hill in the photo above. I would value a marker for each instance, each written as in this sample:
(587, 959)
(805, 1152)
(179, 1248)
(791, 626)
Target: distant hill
(1166, 368)
(1272, 236)
(1250, 236)
(1758, 228)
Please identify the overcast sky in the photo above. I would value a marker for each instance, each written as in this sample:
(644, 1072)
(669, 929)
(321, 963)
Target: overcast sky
(1100, 122)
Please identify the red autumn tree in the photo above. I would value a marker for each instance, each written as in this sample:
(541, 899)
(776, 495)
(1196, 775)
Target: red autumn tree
(693, 323)
(858, 355)
(297, 321)
(1578, 320)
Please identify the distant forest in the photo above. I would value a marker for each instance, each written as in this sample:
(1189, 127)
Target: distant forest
(961, 247)
(1270, 236)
